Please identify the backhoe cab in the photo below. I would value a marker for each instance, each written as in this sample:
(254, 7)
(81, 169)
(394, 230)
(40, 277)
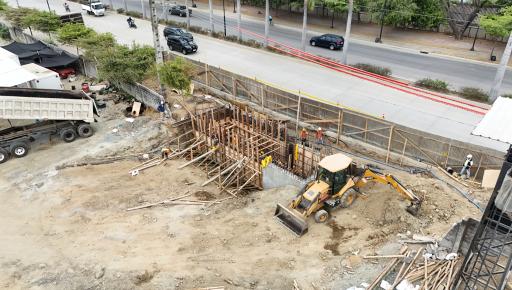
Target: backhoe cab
(336, 185)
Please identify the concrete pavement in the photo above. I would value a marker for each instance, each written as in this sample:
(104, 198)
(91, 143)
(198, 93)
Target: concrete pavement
(406, 64)
(399, 107)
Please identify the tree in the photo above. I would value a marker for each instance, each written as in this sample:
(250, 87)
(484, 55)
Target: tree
(18, 17)
(45, 21)
(335, 6)
(3, 6)
(306, 5)
(396, 12)
(122, 64)
(71, 33)
(95, 44)
(497, 26)
(176, 74)
(428, 15)
(451, 15)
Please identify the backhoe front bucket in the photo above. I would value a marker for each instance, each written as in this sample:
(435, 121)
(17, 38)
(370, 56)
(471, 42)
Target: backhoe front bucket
(291, 219)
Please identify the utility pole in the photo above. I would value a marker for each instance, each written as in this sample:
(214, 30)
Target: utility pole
(143, 9)
(239, 19)
(188, 15)
(210, 4)
(156, 41)
(111, 4)
(500, 73)
(347, 32)
(126, 6)
(267, 14)
(47, 3)
(224, 13)
(18, 3)
(382, 15)
(304, 25)
(234, 6)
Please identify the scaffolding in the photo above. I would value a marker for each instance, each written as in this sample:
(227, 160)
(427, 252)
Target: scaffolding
(489, 259)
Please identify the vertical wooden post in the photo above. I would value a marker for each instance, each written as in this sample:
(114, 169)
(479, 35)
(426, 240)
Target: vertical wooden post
(403, 151)
(389, 142)
(365, 130)
(340, 112)
(478, 168)
(233, 85)
(448, 155)
(206, 73)
(262, 97)
(298, 115)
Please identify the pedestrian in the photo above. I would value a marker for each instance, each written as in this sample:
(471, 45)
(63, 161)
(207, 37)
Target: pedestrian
(165, 152)
(319, 136)
(270, 19)
(466, 167)
(303, 136)
(161, 109)
(66, 7)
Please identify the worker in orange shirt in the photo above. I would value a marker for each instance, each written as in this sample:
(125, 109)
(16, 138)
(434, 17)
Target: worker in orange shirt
(303, 136)
(319, 136)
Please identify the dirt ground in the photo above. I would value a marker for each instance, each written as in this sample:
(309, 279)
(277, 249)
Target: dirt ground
(69, 228)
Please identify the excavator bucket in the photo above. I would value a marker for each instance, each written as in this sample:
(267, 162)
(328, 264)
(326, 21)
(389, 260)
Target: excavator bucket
(291, 219)
(414, 208)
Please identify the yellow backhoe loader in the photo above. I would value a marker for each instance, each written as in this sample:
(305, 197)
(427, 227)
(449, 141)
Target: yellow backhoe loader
(337, 184)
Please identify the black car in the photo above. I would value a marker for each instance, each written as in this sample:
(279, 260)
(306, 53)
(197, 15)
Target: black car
(177, 32)
(180, 10)
(330, 41)
(181, 44)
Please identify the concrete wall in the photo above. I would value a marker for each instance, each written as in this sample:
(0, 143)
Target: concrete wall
(274, 176)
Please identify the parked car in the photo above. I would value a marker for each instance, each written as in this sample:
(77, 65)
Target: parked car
(177, 32)
(180, 10)
(330, 41)
(181, 44)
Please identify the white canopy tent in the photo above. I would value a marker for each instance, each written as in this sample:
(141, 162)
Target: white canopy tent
(497, 123)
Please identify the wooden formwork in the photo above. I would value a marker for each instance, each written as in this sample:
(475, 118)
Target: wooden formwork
(235, 141)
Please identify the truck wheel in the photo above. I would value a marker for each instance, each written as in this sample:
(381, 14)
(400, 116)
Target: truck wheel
(68, 135)
(321, 216)
(85, 130)
(19, 149)
(4, 155)
(348, 198)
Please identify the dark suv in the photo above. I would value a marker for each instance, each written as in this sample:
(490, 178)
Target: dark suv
(330, 41)
(181, 44)
(177, 32)
(180, 10)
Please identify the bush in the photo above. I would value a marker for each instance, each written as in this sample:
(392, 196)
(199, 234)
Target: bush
(383, 71)
(120, 10)
(134, 14)
(435, 85)
(474, 94)
(4, 32)
(507, 96)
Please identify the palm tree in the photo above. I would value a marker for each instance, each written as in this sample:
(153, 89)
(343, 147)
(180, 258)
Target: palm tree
(336, 6)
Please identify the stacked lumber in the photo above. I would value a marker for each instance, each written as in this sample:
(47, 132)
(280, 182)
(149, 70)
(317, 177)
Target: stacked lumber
(417, 270)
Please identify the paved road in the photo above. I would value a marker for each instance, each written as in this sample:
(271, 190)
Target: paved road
(405, 63)
(294, 74)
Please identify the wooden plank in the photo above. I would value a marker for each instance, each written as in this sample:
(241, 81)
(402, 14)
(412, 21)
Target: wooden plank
(197, 158)
(160, 202)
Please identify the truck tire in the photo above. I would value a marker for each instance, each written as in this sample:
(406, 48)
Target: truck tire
(321, 216)
(68, 135)
(19, 149)
(4, 155)
(85, 130)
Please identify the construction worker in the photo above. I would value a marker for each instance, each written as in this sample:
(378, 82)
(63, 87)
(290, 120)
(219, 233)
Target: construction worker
(303, 135)
(165, 152)
(319, 136)
(161, 109)
(466, 167)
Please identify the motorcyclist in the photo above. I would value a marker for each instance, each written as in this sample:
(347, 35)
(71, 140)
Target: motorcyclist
(130, 21)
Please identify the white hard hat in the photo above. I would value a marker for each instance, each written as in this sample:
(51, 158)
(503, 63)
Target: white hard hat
(470, 156)
(319, 128)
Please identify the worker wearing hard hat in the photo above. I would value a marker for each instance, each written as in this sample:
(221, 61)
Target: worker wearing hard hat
(303, 136)
(319, 136)
(466, 167)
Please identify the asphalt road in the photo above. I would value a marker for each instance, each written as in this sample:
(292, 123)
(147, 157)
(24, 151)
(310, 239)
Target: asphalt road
(405, 63)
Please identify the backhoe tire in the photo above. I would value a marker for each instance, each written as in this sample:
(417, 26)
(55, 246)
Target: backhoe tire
(85, 130)
(19, 149)
(68, 135)
(4, 155)
(321, 216)
(348, 198)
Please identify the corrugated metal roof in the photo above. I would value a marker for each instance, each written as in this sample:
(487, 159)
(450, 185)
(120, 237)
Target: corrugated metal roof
(496, 124)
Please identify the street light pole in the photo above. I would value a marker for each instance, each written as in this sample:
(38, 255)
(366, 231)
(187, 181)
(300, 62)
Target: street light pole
(347, 32)
(379, 39)
(47, 3)
(234, 6)
(224, 11)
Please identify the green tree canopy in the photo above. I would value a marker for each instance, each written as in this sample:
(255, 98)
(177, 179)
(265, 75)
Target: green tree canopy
(45, 21)
(71, 33)
(176, 74)
(498, 25)
(19, 17)
(396, 12)
(3, 5)
(123, 64)
(335, 6)
(96, 44)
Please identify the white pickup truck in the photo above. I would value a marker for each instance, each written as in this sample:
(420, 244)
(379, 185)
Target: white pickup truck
(95, 8)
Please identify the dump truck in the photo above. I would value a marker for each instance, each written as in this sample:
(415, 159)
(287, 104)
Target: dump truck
(68, 114)
(337, 184)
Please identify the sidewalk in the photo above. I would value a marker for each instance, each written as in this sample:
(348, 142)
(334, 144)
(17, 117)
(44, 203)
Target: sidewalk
(431, 42)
